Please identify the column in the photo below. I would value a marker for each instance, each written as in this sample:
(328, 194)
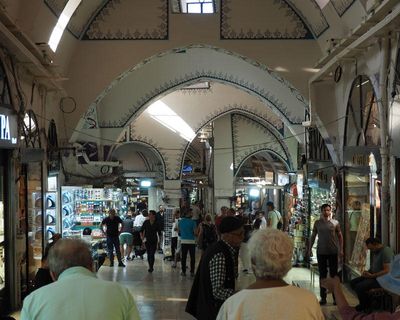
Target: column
(172, 193)
(223, 160)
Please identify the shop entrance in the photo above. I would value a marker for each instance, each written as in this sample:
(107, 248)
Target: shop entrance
(4, 255)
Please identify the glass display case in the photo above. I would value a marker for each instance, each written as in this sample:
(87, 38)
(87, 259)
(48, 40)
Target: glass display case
(51, 219)
(35, 221)
(2, 243)
(357, 220)
(87, 207)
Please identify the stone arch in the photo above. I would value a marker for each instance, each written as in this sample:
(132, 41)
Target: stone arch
(119, 104)
(288, 166)
(266, 123)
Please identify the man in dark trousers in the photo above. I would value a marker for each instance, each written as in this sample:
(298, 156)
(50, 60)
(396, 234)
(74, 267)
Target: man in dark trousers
(112, 226)
(330, 244)
(215, 277)
(149, 234)
(381, 257)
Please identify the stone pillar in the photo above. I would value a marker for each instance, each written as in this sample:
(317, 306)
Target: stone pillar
(223, 160)
(172, 192)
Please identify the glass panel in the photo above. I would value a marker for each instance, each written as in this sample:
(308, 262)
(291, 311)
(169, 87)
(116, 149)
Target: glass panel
(208, 7)
(357, 219)
(35, 216)
(363, 125)
(2, 246)
(194, 8)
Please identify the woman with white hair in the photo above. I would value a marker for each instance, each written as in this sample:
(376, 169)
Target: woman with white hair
(270, 297)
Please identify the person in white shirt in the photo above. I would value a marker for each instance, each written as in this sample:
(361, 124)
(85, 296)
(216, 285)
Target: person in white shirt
(139, 220)
(270, 297)
(274, 216)
(175, 245)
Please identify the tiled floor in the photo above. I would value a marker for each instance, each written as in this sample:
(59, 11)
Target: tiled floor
(163, 293)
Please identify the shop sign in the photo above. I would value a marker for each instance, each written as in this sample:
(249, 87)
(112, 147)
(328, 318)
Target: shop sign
(8, 128)
(361, 156)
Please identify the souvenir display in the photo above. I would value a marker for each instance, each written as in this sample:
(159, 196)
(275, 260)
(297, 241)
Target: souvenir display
(87, 207)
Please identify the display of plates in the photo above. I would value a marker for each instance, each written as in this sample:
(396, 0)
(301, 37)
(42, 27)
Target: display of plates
(50, 203)
(66, 197)
(50, 233)
(50, 219)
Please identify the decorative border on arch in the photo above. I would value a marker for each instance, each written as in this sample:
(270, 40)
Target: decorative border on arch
(263, 67)
(169, 173)
(341, 6)
(316, 30)
(212, 75)
(288, 165)
(226, 32)
(82, 32)
(160, 33)
(252, 149)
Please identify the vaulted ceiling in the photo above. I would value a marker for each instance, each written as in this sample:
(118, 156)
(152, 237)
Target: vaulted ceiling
(119, 56)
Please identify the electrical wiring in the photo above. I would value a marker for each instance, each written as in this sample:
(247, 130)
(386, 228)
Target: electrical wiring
(222, 148)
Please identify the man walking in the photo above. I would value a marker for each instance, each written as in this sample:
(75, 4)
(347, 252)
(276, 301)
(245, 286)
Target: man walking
(126, 236)
(149, 234)
(112, 226)
(77, 293)
(274, 220)
(215, 277)
(330, 244)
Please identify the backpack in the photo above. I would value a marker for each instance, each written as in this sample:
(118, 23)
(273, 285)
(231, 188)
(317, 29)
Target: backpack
(279, 225)
(209, 234)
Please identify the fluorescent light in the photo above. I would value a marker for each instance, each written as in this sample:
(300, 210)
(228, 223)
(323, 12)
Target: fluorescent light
(281, 69)
(145, 183)
(362, 83)
(254, 192)
(163, 114)
(62, 23)
(312, 70)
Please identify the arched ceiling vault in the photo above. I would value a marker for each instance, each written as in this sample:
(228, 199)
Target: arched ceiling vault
(130, 94)
(251, 19)
(199, 108)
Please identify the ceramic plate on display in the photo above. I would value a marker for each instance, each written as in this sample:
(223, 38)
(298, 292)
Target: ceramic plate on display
(66, 197)
(50, 203)
(50, 233)
(67, 210)
(50, 219)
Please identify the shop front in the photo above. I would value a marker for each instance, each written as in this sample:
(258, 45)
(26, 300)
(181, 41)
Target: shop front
(361, 203)
(322, 190)
(8, 142)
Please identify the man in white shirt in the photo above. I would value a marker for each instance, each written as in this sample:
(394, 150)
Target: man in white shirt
(139, 219)
(274, 216)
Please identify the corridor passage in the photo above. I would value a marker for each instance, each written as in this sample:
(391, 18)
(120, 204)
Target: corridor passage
(163, 293)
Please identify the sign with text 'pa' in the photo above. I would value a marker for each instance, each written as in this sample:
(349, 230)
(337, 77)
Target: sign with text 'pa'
(8, 128)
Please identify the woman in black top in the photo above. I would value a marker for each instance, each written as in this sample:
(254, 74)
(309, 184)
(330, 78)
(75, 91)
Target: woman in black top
(149, 235)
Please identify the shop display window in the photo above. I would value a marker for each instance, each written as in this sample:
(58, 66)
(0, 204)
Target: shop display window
(35, 218)
(357, 220)
(86, 208)
(2, 243)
